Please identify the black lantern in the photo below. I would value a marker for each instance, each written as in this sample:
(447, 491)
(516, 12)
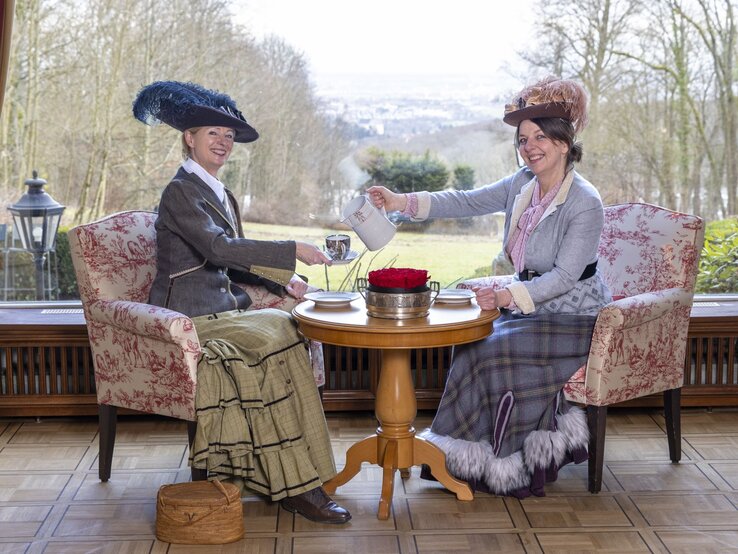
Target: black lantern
(36, 218)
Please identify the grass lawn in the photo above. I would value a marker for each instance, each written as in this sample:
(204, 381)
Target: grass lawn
(448, 258)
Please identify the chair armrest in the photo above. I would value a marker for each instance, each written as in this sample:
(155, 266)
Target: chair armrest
(636, 310)
(494, 281)
(262, 298)
(145, 320)
(638, 348)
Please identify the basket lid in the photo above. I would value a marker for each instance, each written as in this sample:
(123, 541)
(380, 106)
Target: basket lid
(212, 493)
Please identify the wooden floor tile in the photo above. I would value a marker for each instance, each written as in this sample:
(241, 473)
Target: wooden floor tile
(56, 432)
(702, 422)
(99, 547)
(575, 511)
(21, 521)
(117, 520)
(359, 426)
(728, 471)
(632, 422)
(158, 431)
(424, 420)
(660, 477)
(469, 543)
(49, 457)
(719, 447)
(565, 543)
(260, 516)
(448, 513)
(638, 449)
(687, 509)
(132, 457)
(14, 547)
(338, 544)
(130, 486)
(702, 542)
(572, 479)
(247, 545)
(23, 487)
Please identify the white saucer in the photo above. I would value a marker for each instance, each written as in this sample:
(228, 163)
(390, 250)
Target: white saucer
(347, 260)
(455, 296)
(330, 299)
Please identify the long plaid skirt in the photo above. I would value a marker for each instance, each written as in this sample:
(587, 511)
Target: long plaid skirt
(503, 421)
(260, 422)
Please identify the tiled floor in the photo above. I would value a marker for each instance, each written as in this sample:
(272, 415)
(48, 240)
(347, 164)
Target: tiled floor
(51, 500)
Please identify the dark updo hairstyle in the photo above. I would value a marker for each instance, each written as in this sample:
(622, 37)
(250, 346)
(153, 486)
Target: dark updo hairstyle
(561, 130)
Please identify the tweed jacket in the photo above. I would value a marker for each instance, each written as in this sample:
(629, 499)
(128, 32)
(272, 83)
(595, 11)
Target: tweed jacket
(562, 244)
(201, 254)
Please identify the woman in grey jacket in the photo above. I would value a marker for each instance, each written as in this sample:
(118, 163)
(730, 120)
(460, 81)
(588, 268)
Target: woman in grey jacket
(260, 422)
(503, 420)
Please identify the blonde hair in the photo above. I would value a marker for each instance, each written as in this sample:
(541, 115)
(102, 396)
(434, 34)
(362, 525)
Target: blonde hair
(186, 152)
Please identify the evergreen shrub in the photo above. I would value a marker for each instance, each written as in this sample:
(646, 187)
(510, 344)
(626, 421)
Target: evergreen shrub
(718, 271)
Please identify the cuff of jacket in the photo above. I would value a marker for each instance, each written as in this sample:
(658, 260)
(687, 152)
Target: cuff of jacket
(521, 297)
(281, 276)
(424, 206)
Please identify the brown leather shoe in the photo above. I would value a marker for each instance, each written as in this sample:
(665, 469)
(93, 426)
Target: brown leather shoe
(317, 506)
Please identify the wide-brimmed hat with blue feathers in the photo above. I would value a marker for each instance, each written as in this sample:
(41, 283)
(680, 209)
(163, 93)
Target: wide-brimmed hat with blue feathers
(188, 105)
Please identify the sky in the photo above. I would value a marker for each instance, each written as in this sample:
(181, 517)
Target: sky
(425, 37)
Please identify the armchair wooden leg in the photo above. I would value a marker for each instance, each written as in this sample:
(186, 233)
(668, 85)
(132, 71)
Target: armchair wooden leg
(197, 474)
(107, 419)
(596, 421)
(673, 416)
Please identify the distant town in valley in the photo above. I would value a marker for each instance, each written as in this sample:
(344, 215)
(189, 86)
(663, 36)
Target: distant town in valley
(393, 106)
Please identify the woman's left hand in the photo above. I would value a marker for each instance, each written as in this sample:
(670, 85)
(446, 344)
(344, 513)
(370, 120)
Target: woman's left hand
(297, 287)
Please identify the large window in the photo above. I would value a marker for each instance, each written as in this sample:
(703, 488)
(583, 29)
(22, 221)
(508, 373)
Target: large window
(407, 94)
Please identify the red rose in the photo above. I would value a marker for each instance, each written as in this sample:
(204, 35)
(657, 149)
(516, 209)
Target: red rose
(398, 278)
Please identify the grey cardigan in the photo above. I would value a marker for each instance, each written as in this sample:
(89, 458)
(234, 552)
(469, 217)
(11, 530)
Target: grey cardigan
(563, 243)
(201, 253)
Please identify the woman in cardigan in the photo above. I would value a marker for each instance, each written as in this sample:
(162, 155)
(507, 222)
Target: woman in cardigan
(260, 422)
(503, 420)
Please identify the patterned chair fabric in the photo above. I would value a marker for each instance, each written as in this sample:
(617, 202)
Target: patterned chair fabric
(145, 357)
(649, 258)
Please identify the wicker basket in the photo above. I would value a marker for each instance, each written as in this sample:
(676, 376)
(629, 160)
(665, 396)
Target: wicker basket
(200, 512)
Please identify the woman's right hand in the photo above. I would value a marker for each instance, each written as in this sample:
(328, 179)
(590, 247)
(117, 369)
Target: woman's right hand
(310, 254)
(382, 197)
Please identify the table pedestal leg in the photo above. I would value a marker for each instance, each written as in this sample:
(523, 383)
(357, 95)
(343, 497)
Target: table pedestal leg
(395, 444)
(363, 451)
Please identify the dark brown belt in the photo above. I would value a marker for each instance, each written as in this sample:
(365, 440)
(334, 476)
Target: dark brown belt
(528, 274)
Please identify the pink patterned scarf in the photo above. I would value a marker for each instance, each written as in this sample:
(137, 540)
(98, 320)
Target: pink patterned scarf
(527, 222)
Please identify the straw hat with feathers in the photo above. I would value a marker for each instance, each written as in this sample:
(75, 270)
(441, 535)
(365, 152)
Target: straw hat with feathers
(549, 97)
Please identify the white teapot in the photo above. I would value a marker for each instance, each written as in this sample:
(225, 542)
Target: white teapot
(368, 222)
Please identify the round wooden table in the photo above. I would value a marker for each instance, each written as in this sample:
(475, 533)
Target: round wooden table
(395, 446)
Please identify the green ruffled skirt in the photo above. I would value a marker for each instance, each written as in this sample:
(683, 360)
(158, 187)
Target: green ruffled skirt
(260, 422)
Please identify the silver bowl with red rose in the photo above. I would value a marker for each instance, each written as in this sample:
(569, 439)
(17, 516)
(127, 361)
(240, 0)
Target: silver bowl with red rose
(392, 303)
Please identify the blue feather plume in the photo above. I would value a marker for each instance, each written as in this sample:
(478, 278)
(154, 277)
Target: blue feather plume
(169, 101)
